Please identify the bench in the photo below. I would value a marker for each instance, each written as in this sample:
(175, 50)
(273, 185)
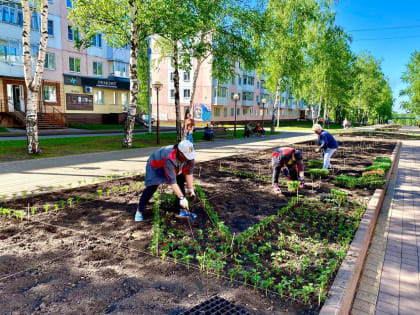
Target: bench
(221, 132)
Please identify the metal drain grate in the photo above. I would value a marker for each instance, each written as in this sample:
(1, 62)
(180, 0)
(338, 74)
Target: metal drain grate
(216, 305)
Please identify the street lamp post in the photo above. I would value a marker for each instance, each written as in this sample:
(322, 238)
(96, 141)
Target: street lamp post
(157, 86)
(235, 97)
(263, 101)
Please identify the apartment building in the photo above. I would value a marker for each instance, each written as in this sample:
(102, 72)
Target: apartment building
(88, 85)
(214, 101)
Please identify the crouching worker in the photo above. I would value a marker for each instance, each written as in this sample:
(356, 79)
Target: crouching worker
(173, 165)
(290, 162)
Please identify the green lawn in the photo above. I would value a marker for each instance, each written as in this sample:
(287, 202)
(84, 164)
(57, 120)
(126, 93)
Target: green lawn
(4, 129)
(12, 150)
(100, 126)
(289, 125)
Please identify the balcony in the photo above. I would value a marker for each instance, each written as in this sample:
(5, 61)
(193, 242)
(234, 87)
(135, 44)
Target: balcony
(220, 100)
(247, 103)
(118, 54)
(120, 74)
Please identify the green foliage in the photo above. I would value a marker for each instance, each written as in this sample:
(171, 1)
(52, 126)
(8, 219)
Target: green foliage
(315, 164)
(379, 166)
(411, 77)
(293, 185)
(346, 181)
(318, 172)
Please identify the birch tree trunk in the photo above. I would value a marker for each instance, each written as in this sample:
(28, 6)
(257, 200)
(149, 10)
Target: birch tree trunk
(276, 106)
(33, 83)
(313, 105)
(134, 82)
(319, 109)
(325, 114)
(176, 86)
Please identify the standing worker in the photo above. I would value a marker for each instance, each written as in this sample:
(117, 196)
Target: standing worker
(174, 165)
(290, 161)
(327, 143)
(189, 127)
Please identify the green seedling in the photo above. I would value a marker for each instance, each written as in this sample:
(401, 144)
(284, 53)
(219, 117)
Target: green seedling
(56, 207)
(24, 193)
(46, 207)
(70, 202)
(315, 164)
(34, 210)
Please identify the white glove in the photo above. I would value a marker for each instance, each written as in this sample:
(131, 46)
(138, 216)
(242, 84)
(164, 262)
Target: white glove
(317, 150)
(183, 202)
(190, 193)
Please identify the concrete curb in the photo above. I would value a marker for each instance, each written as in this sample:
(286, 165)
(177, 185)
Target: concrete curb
(342, 292)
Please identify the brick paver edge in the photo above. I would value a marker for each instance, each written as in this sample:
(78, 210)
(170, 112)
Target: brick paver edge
(342, 292)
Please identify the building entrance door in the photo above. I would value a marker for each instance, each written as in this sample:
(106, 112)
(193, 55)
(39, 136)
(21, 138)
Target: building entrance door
(15, 98)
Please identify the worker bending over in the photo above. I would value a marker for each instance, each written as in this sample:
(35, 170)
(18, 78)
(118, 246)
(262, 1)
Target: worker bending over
(174, 165)
(290, 162)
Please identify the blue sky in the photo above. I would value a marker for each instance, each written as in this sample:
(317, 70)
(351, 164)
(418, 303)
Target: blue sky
(395, 53)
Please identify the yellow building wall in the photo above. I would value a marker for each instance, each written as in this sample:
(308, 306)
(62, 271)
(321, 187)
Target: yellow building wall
(106, 108)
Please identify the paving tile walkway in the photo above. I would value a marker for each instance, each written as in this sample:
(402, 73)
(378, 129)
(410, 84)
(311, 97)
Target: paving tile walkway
(390, 283)
(34, 175)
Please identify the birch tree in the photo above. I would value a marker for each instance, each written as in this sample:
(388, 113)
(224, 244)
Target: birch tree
(122, 22)
(283, 44)
(33, 82)
(411, 77)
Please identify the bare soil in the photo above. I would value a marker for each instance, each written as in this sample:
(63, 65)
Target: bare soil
(92, 258)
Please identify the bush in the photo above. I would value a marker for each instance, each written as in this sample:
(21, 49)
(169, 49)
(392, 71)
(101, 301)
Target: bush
(318, 172)
(315, 164)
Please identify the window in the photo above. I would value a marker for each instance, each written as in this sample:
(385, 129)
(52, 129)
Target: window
(172, 93)
(250, 111)
(69, 4)
(258, 84)
(244, 80)
(186, 76)
(115, 98)
(97, 40)
(225, 112)
(258, 98)
(120, 69)
(220, 92)
(186, 93)
(50, 61)
(99, 97)
(217, 112)
(69, 33)
(50, 27)
(97, 68)
(238, 112)
(34, 51)
(233, 80)
(172, 76)
(50, 93)
(245, 111)
(124, 98)
(248, 96)
(251, 81)
(232, 112)
(74, 64)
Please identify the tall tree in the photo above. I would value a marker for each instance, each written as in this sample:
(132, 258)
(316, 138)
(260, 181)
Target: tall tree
(121, 22)
(286, 21)
(33, 83)
(411, 77)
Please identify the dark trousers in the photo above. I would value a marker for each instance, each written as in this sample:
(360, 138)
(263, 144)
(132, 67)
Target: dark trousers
(293, 172)
(150, 190)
